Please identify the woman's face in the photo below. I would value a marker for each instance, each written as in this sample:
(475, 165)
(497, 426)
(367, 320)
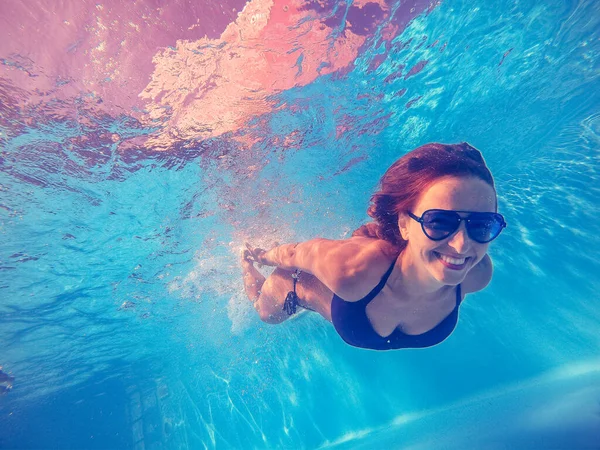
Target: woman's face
(449, 260)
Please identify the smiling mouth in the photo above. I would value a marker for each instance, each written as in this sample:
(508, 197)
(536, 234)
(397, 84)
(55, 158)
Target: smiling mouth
(451, 262)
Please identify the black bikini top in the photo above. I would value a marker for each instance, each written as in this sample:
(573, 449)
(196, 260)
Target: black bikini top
(352, 324)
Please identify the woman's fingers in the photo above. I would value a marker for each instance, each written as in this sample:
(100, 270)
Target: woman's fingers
(254, 253)
(250, 250)
(246, 255)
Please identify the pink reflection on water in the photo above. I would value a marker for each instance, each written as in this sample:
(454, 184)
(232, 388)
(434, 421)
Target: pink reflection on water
(195, 70)
(210, 87)
(64, 49)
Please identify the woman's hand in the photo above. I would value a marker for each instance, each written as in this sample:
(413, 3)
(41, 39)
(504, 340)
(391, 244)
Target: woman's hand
(256, 254)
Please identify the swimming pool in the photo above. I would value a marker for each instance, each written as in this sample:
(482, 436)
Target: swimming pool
(141, 146)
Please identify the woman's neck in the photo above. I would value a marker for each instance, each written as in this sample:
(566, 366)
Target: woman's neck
(411, 280)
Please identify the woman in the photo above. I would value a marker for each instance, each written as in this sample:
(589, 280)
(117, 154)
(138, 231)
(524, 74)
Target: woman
(399, 280)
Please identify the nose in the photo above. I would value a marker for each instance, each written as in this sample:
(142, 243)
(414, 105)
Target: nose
(460, 241)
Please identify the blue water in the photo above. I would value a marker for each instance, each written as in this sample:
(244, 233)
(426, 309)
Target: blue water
(122, 315)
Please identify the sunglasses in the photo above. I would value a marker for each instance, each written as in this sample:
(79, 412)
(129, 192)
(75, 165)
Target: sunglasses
(482, 227)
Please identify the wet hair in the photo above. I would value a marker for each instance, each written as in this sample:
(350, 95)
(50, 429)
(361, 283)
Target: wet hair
(408, 178)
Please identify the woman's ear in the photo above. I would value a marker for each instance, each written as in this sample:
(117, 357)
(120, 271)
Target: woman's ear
(403, 221)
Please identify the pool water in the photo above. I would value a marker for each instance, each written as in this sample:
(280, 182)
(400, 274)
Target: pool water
(142, 145)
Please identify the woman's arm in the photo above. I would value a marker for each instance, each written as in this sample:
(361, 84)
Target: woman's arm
(479, 276)
(302, 255)
(339, 265)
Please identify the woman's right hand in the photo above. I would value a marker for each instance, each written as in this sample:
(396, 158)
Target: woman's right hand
(256, 254)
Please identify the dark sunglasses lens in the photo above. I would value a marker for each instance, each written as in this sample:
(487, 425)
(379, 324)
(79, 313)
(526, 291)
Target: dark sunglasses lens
(440, 224)
(484, 227)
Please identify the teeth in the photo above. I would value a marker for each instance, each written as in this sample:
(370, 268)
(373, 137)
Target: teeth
(455, 261)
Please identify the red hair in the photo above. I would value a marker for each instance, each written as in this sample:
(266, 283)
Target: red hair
(410, 176)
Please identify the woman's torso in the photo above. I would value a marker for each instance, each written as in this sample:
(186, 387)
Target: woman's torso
(379, 321)
(374, 314)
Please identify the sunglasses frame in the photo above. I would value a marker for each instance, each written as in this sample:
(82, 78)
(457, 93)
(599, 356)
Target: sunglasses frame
(460, 219)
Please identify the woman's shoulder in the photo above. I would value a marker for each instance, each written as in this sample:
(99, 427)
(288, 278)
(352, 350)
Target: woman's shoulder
(479, 276)
(372, 243)
(356, 246)
(360, 252)
(367, 260)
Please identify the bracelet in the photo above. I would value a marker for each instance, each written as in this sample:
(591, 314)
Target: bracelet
(259, 257)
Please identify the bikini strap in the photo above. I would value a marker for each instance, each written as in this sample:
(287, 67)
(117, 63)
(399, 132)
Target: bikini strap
(377, 289)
